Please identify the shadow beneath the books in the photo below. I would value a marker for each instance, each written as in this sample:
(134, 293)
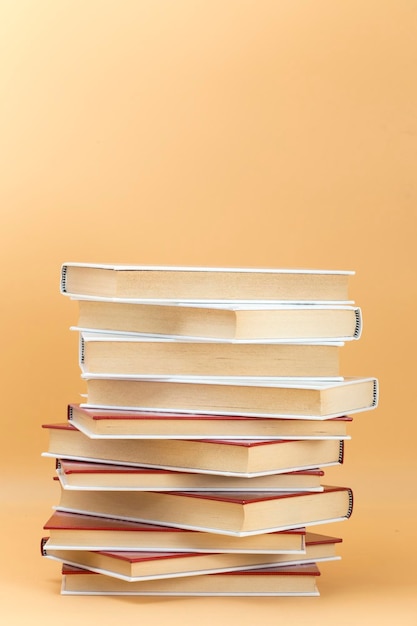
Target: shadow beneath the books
(145, 600)
(53, 584)
(152, 599)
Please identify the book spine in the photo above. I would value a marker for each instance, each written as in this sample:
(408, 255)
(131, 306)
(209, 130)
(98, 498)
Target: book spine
(341, 451)
(375, 393)
(350, 507)
(43, 542)
(82, 350)
(358, 324)
(64, 279)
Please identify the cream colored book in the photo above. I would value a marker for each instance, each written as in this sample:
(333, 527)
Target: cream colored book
(135, 566)
(257, 397)
(278, 581)
(73, 531)
(227, 322)
(125, 424)
(236, 514)
(111, 477)
(202, 284)
(134, 355)
(240, 458)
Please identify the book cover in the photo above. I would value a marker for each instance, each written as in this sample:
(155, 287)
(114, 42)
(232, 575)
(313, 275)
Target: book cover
(134, 355)
(134, 566)
(283, 398)
(86, 475)
(244, 458)
(279, 581)
(111, 423)
(226, 322)
(234, 514)
(88, 532)
(202, 284)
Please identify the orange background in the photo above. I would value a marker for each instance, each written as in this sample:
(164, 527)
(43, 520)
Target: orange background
(218, 132)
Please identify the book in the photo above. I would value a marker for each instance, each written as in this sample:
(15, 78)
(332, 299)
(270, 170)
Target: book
(134, 355)
(134, 566)
(275, 581)
(111, 477)
(243, 457)
(202, 284)
(225, 322)
(88, 532)
(236, 514)
(112, 424)
(255, 397)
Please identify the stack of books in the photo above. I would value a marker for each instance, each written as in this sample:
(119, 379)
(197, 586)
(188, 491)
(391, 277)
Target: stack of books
(214, 400)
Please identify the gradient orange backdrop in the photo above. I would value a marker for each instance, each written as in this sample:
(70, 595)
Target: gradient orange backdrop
(213, 132)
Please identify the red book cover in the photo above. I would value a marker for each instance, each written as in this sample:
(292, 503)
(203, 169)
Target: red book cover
(290, 570)
(250, 497)
(239, 458)
(86, 467)
(62, 520)
(136, 557)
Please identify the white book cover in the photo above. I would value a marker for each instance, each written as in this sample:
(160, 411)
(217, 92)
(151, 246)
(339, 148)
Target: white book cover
(90, 334)
(191, 268)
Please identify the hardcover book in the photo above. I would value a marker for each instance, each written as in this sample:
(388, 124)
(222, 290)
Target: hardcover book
(234, 514)
(284, 398)
(244, 458)
(111, 477)
(227, 322)
(214, 399)
(134, 566)
(202, 284)
(112, 424)
(274, 581)
(88, 532)
(134, 355)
